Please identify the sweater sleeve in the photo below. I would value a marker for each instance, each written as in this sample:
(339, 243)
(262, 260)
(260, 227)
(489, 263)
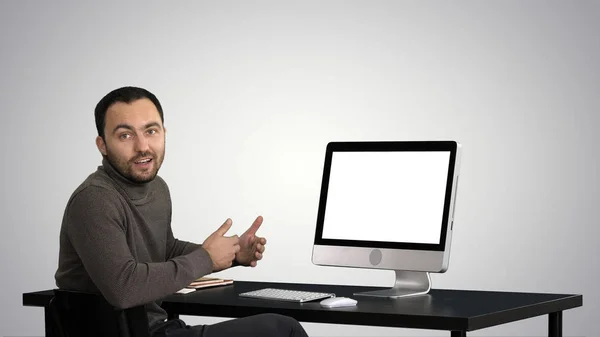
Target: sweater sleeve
(176, 247)
(96, 230)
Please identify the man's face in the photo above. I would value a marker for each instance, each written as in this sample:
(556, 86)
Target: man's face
(134, 139)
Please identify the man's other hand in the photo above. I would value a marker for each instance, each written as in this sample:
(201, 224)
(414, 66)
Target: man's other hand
(222, 249)
(252, 247)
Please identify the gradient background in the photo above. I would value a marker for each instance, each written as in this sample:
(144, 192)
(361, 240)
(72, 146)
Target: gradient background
(253, 91)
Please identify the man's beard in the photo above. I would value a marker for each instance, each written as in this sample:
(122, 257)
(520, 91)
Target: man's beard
(125, 167)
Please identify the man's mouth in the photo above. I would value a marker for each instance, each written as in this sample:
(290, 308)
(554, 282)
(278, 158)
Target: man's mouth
(143, 161)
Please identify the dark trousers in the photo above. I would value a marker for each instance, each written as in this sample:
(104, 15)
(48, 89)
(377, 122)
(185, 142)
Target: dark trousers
(263, 325)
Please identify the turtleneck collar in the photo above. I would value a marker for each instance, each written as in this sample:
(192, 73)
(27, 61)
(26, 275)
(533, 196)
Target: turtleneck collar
(137, 192)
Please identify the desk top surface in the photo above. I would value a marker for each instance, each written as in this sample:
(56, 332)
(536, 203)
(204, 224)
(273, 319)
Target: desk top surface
(443, 309)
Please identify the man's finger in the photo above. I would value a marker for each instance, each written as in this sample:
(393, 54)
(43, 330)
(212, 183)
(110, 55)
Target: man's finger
(255, 225)
(224, 227)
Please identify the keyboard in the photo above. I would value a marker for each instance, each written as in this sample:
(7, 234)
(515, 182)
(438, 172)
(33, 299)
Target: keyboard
(286, 295)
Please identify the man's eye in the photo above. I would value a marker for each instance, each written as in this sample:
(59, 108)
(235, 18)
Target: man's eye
(152, 131)
(125, 136)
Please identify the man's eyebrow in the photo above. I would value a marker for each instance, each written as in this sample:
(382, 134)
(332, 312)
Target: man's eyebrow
(129, 127)
(151, 124)
(122, 126)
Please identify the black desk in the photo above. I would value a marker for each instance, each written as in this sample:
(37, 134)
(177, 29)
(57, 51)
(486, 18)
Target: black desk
(457, 311)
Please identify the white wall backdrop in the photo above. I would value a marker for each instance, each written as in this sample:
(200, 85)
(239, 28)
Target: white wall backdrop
(253, 91)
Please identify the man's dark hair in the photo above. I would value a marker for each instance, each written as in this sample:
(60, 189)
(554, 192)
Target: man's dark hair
(124, 95)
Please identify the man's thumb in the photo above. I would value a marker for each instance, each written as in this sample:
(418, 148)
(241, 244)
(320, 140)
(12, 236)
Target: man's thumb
(224, 227)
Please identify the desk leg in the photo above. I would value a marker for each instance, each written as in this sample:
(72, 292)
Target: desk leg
(49, 323)
(458, 334)
(555, 324)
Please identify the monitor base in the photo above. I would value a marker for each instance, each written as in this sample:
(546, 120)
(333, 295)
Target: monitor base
(408, 283)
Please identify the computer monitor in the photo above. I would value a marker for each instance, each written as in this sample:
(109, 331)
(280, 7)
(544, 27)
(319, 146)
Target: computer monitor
(388, 205)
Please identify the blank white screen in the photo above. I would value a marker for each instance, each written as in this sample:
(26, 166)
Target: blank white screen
(386, 196)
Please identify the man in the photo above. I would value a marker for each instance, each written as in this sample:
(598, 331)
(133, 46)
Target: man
(116, 235)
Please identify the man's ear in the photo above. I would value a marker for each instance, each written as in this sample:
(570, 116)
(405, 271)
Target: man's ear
(101, 145)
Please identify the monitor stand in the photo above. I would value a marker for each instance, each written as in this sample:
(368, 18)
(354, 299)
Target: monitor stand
(408, 283)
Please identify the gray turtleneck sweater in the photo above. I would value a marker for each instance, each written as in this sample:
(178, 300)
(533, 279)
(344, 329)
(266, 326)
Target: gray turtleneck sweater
(116, 239)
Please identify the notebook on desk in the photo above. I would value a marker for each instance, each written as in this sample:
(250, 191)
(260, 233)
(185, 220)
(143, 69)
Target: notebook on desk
(204, 282)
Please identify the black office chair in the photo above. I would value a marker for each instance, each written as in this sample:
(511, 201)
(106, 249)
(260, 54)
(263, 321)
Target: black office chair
(79, 314)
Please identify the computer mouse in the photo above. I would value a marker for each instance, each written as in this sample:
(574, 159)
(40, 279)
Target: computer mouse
(337, 302)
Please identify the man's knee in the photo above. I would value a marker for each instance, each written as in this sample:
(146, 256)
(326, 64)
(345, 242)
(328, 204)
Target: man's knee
(283, 324)
(284, 320)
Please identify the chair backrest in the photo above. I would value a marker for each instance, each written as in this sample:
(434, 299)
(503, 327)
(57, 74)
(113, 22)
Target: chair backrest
(78, 314)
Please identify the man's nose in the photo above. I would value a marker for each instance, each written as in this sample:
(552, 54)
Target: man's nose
(141, 144)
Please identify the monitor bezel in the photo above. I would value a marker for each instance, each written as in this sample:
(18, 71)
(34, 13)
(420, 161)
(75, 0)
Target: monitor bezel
(385, 146)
